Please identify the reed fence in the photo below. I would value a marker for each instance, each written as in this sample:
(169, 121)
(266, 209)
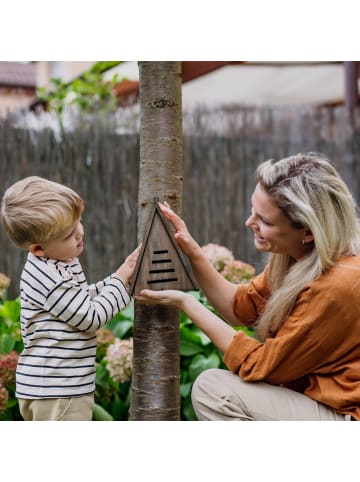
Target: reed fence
(222, 148)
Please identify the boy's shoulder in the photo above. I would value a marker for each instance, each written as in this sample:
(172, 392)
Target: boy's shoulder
(52, 269)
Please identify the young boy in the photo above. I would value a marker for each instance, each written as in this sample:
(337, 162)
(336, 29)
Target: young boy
(60, 313)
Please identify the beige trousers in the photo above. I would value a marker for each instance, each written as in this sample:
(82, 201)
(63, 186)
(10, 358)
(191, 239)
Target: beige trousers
(221, 395)
(56, 409)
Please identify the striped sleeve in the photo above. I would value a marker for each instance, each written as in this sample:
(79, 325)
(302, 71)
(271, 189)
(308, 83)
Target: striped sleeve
(95, 288)
(73, 305)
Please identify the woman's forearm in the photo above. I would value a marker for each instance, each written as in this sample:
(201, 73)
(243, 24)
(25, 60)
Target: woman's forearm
(214, 327)
(218, 291)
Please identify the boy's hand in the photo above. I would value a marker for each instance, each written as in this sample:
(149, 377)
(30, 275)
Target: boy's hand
(126, 270)
(163, 297)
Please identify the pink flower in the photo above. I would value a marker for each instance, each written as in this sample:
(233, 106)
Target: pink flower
(4, 396)
(8, 363)
(119, 356)
(217, 255)
(238, 272)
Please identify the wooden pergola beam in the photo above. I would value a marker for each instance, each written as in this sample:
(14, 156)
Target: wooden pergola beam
(351, 85)
(192, 70)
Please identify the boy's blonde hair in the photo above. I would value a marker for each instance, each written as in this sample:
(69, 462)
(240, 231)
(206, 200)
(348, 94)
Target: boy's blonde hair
(36, 210)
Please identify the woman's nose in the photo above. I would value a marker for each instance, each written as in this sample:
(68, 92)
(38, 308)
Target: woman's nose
(250, 221)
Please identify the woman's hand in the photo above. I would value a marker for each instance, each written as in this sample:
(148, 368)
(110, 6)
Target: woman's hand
(182, 236)
(164, 297)
(213, 326)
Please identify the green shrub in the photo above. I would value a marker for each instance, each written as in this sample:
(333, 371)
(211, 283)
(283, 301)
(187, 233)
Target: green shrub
(10, 346)
(114, 349)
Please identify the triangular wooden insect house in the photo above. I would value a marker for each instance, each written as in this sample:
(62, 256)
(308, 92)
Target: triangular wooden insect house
(161, 264)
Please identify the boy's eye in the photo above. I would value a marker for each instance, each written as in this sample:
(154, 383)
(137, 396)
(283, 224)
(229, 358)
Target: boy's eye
(69, 235)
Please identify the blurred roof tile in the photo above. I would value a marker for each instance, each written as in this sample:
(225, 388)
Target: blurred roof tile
(17, 74)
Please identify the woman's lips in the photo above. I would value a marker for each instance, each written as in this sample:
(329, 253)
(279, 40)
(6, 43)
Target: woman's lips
(80, 245)
(258, 237)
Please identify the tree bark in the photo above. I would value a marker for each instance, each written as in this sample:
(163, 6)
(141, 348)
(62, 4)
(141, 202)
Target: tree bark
(155, 393)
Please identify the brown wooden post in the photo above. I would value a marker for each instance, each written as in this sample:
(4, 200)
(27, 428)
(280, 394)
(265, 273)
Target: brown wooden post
(351, 85)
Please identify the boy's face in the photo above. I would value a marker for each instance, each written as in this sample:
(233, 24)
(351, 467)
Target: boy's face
(68, 246)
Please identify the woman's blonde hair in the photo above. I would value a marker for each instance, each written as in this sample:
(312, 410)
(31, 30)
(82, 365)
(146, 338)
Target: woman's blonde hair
(36, 210)
(312, 195)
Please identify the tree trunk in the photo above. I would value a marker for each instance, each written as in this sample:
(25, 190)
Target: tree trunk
(155, 393)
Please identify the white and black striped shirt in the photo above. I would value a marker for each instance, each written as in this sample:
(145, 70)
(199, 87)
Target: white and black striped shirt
(59, 316)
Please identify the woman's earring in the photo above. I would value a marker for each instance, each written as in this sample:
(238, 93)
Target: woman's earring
(303, 242)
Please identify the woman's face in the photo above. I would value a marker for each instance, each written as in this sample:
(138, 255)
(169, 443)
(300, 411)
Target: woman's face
(272, 229)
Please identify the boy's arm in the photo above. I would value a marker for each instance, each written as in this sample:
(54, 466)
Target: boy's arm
(95, 288)
(124, 272)
(73, 305)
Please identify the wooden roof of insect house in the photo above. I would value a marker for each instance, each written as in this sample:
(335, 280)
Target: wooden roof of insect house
(161, 264)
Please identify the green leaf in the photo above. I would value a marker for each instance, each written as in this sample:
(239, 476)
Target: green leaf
(203, 339)
(102, 376)
(119, 408)
(7, 343)
(128, 312)
(188, 348)
(188, 410)
(188, 334)
(185, 389)
(122, 328)
(100, 414)
(10, 310)
(200, 363)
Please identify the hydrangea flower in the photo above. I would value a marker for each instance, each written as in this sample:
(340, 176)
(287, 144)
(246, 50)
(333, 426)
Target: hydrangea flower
(104, 337)
(218, 255)
(4, 396)
(4, 284)
(237, 271)
(119, 356)
(8, 363)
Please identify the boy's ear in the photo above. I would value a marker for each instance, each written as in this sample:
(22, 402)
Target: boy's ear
(36, 250)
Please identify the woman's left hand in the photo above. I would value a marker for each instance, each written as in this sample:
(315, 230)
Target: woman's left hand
(164, 297)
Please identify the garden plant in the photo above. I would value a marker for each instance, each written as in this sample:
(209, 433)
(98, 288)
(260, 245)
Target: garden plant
(115, 349)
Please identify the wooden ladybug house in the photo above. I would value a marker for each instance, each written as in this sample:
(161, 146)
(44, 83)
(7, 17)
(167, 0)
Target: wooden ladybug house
(161, 264)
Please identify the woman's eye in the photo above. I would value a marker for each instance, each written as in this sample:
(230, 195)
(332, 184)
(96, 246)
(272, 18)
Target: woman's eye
(265, 222)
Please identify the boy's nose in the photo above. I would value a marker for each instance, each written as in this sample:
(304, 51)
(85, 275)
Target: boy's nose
(80, 232)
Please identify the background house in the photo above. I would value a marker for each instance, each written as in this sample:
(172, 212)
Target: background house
(211, 83)
(254, 83)
(17, 85)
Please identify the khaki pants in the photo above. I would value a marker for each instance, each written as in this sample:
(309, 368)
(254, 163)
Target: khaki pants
(221, 395)
(51, 409)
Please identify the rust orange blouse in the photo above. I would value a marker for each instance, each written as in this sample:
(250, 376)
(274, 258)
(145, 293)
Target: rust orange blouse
(317, 347)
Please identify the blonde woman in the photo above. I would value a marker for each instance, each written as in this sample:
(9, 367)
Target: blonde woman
(304, 363)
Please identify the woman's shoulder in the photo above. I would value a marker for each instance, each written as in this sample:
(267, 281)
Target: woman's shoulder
(342, 274)
(348, 265)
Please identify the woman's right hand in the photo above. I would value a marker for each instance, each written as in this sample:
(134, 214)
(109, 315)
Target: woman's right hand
(182, 236)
